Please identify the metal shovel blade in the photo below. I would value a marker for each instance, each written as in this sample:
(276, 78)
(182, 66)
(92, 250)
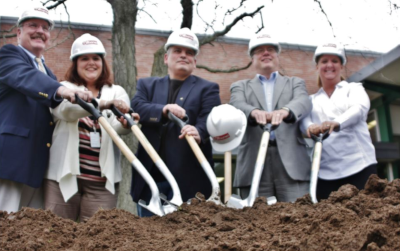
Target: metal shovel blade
(154, 205)
(316, 164)
(236, 202)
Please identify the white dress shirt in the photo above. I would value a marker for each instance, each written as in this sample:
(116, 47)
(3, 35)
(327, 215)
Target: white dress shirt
(268, 86)
(349, 150)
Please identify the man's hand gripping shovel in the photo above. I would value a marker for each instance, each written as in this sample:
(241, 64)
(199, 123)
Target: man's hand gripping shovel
(216, 193)
(235, 201)
(316, 163)
(155, 203)
(176, 200)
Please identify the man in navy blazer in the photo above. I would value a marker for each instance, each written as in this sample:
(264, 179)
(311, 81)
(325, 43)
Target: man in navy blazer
(181, 94)
(27, 89)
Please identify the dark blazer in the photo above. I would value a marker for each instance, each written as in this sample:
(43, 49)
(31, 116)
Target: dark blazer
(197, 96)
(26, 124)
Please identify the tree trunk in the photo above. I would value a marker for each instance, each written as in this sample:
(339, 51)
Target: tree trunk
(125, 73)
(159, 69)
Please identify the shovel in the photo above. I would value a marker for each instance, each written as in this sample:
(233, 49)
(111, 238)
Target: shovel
(176, 200)
(315, 163)
(216, 193)
(228, 175)
(235, 201)
(155, 204)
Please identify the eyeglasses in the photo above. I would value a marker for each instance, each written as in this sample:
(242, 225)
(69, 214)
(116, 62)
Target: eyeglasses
(259, 51)
(35, 26)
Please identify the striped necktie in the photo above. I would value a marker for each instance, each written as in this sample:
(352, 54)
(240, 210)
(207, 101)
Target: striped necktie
(40, 65)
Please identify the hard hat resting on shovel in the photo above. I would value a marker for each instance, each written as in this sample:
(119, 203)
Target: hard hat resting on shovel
(226, 126)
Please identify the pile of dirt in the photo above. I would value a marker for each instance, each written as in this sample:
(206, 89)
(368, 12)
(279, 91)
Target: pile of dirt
(349, 220)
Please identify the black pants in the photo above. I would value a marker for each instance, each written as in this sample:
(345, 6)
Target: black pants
(325, 187)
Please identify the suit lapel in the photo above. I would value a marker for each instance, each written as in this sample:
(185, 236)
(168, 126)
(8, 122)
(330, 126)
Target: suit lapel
(256, 86)
(161, 90)
(187, 86)
(278, 89)
(49, 73)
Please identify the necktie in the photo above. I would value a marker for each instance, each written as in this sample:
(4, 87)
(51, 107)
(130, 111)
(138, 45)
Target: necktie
(41, 66)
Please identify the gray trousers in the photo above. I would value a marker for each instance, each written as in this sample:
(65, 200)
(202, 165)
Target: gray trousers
(276, 182)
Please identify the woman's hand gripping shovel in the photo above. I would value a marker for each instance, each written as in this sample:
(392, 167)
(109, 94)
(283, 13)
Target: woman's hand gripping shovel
(315, 163)
(235, 201)
(155, 204)
(216, 193)
(176, 200)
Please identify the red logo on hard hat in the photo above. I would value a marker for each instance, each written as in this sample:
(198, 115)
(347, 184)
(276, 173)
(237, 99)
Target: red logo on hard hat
(222, 137)
(264, 36)
(186, 36)
(42, 10)
(330, 45)
(89, 42)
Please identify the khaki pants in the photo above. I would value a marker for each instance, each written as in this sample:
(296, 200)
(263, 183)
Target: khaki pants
(14, 196)
(91, 196)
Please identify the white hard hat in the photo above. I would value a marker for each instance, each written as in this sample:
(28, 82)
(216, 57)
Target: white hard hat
(263, 39)
(87, 44)
(183, 37)
(39, 12)
(226, 126)
(331, 48)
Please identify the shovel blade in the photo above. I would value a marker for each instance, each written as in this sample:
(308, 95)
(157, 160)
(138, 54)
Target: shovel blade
(236, 202)
(153, 207)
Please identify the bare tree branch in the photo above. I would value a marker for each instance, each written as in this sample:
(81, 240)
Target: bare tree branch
(57, 3)
(71, 33)
(211, 26)
(233, 69)
(262, 23)
(322, 10)
(210, 38)
(229, 12)
(148, 14)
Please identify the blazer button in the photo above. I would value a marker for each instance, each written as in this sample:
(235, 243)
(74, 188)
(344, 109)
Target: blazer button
(48, 144)
(51, 123)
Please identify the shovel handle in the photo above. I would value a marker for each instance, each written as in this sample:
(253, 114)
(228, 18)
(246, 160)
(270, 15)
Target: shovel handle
(268, 128)
(180, 122)
(118, 113)
(321, 137)
(92, 109)
(228, 175)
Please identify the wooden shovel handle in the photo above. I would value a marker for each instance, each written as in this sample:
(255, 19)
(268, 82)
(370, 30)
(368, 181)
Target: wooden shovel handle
(117, 140)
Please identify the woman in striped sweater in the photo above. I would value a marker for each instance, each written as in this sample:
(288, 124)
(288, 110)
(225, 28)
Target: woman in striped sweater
(84, 167)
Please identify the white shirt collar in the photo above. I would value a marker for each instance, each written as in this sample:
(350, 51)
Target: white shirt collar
(30, 53)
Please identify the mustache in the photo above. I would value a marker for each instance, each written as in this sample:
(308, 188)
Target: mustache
(38, 36)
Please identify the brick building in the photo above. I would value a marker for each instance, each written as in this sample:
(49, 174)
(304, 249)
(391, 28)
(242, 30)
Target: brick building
(226, 53)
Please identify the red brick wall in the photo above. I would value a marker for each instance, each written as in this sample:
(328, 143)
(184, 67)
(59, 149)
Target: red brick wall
(294, 60)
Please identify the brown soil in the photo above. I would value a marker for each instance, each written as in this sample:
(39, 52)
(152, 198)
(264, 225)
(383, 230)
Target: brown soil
(349, 220)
